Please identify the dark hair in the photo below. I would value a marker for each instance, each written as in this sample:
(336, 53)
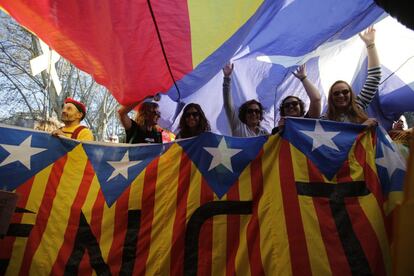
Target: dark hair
(203, 126)
(301, 104)
(243, 110)
(354, 113)
(144, 111)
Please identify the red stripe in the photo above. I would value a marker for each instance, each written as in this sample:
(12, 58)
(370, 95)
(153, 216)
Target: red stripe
(233, 232)
(43, 214)
(299, 254)
(73, 221)
(120, 229)
(366, 236)
(6, 244)
(85, 268)
(148, 200)
(334, 250)
(178, 237)
(253, 228)
(336, 256)
(205, 244)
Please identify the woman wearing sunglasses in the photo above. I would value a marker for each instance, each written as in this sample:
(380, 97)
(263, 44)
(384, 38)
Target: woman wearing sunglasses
(247, 122)
(144, 128)
(293, 106)
(193, 122)
(343, 105)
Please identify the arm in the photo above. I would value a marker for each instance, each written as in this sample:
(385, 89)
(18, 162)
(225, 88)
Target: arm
(227, 98)
(370, 87)
(313, 92)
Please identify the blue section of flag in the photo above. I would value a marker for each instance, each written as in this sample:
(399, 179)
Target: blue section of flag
(222, 176)
(283, 28)
(334, 141)
(16, 173)
(117, 166)
(391, 166)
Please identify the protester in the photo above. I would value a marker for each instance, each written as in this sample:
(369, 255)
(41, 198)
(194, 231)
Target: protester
(293, 106)
(247, 122)
(144, 128)
(401, 135)
(73, 112)
(343, 105)
(193, 122)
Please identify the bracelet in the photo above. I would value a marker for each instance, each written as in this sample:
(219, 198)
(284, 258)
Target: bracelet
(302, 79)
(371, 46)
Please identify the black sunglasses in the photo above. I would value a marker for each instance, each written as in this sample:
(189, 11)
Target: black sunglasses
(343, 92)
(194, 114)
(253, 110)
(290, 104)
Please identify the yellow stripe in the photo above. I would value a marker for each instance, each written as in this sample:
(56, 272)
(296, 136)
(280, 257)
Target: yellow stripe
(135, 194)
(107, 230)
(158, 262)
(316, 248)
(212, 22)
(242, 262)
(218, 262)
(371, 209)
(33, 204)
(53, 236)
(275, 254)
(91, 197)
(193, 201)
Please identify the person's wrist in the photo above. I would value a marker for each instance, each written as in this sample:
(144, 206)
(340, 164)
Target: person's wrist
(303, 78)
(370, 46)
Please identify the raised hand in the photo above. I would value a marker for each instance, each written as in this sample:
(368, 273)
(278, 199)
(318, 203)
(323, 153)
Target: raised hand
(228, 69)
(368, 36)
(300, 72)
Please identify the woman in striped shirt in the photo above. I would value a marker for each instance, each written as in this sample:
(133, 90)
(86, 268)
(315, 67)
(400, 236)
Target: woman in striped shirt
(343, 105)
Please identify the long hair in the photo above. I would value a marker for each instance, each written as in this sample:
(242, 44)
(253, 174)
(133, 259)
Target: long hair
(145, 110)
(354, 112)
(301, 104)
(243, 110)
(203, 125)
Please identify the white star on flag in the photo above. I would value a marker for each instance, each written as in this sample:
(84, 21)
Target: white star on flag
(121, 167)
(22, 153)
(320, 137)
(222, 155)
(391, 160)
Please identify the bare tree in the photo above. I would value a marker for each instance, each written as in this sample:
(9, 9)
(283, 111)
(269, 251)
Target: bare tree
(35, 96)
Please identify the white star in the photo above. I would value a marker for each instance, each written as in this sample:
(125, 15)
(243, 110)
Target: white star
(121, 167)
(22, 153)
(222, 155)
(320, 137)
(391, 160)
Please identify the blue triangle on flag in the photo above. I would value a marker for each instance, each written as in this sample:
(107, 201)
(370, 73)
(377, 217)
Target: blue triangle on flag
(221, 159)
(117, 166)
(24, 153)
(326, 143)
(390, 163)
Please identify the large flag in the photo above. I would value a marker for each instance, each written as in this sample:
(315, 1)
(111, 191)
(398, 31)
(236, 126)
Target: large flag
(209, 205)
(140, 48)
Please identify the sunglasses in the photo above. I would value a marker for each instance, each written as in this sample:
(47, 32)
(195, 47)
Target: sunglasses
(290, 104)
(343, 92)
(253, 110)
(189, 114)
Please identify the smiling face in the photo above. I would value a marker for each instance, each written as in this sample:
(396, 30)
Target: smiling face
(253, 115)
(341, 96)
(192, 117)
(291, 107)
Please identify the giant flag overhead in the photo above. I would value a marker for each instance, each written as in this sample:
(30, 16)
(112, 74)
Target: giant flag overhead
(139, 48)
(210, 205)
